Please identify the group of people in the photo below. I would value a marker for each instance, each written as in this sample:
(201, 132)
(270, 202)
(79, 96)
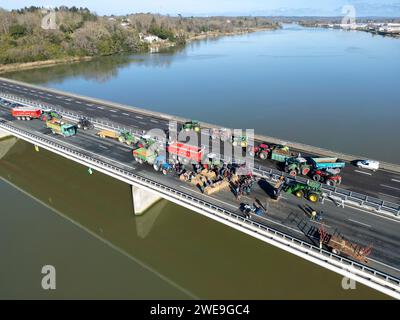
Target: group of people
(243, 186)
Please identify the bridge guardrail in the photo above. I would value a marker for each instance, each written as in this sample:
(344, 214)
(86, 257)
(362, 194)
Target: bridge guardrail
(389, 281)
(342, 195)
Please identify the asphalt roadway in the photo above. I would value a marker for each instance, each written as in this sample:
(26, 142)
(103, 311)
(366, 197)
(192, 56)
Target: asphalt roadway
(288, 215)
(382, 184)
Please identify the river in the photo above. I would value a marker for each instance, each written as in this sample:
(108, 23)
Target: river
(295, 83)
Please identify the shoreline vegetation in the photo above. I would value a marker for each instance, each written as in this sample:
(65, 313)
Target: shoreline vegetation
(81, 35)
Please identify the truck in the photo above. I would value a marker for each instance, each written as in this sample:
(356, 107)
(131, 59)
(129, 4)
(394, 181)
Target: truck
(297, 166)
(185, 153)
(26, 113)
(261, 151)
(327, 163)
(61, 128)
(311, 190)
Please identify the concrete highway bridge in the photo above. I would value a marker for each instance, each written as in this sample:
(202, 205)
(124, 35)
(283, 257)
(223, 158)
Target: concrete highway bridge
(365, 209)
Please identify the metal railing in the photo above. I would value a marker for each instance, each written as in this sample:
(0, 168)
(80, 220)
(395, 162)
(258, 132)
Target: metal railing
(349, 265)
(343, 196)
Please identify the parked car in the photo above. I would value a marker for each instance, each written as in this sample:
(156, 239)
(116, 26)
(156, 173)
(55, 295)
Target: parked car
(368, 164)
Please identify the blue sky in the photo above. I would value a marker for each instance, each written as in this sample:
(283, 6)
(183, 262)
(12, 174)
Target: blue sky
(224, 7)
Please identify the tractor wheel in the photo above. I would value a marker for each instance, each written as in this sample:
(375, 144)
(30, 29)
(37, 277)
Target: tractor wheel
(23, 118)
(234, 143)
(313, 197)
(263, 156)
(165, 172)
(339, 181)
(85, 128)
(331, 183)
(316, 177)
(293, 173)
(120, 139)
(156, 167)
(129, 143)
(28, 118)
(299, 194)
(305, 171)
(251, 153)
(136, 159)
(79, 125)
(140, 161)
(18, 118)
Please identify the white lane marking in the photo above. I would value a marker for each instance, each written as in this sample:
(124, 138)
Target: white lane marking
(195, 191)
(113, 110)
(155, 121)
(363, 224)
(388, 195)
(58, 97)
(78, 102)
(103, 147)
(142, 123)
(50, 95)
(89, 104)
(139, 117)
(367, 173)
(125, 114)
(395, 180)
(100, 108)
(68, 99)
(390, 187)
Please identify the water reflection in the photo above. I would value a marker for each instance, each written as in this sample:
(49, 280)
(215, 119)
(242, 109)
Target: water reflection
(196, 256)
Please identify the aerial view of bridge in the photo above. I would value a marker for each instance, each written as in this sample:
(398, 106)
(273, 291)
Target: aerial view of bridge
(346, 222)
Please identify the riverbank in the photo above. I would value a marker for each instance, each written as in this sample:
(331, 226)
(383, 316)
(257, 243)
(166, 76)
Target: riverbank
(214, 34)
(153, 48)
(4, 68)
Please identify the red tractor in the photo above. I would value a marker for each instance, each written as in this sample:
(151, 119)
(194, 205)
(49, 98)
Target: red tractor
(330, 176)
(261, 151)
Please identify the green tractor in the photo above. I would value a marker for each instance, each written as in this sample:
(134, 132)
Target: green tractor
(311, 191)
(127, 137)
(241, 141)
(50, 115)
(191, 126)
(297, 166)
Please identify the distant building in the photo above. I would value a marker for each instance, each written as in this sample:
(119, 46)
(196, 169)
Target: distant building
(149, 38)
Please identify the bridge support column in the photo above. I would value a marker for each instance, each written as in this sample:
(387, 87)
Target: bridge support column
(4, 134)
(143, 199)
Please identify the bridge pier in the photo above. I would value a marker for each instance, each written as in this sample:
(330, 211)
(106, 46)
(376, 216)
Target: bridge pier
(143, 199)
